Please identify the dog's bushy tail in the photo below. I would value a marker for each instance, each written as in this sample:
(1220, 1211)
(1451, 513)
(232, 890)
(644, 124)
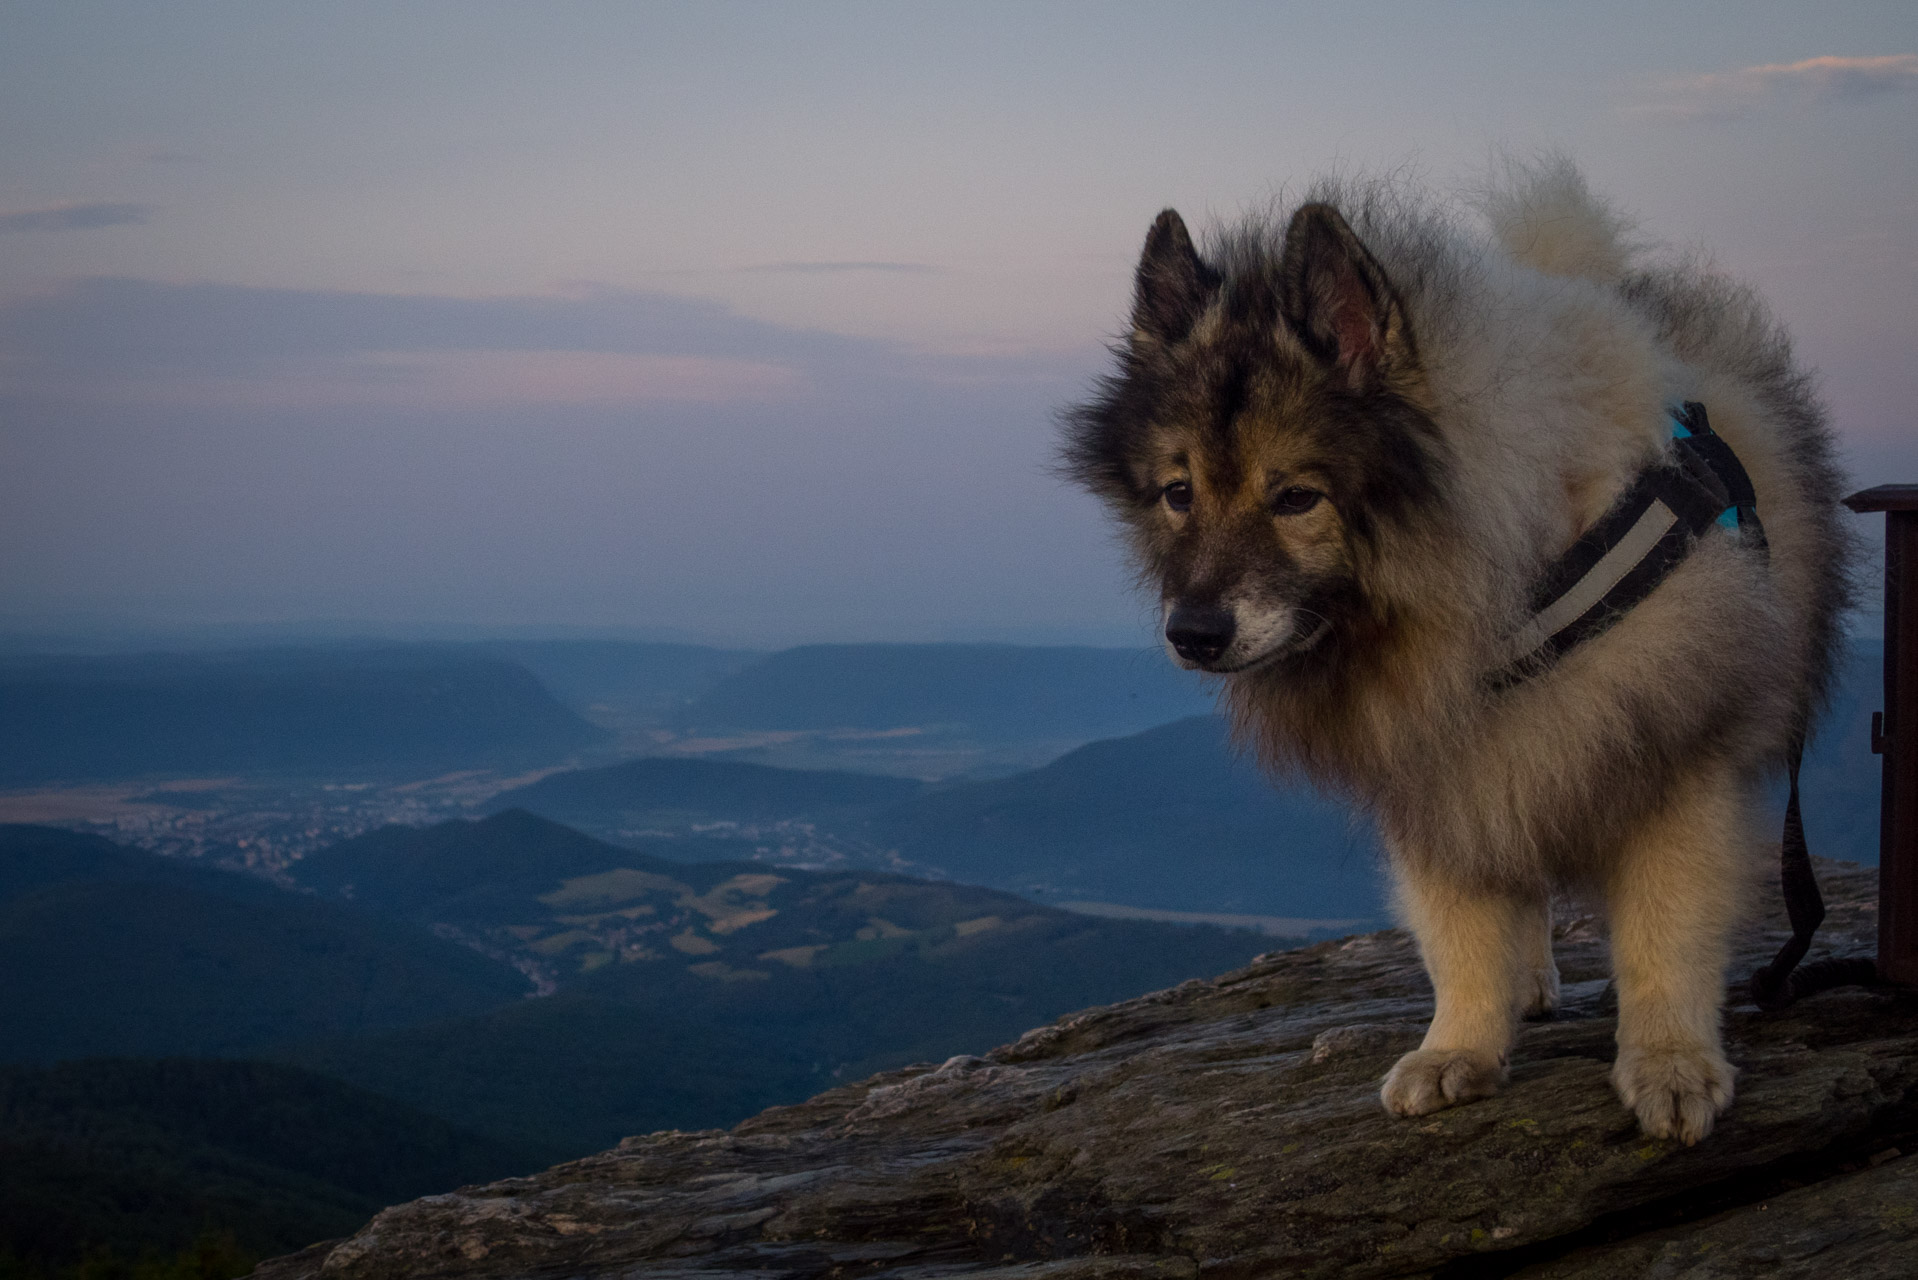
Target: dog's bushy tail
(1542, 213)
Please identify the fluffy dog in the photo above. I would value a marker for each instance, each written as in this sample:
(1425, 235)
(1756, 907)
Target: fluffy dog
(1346, 443)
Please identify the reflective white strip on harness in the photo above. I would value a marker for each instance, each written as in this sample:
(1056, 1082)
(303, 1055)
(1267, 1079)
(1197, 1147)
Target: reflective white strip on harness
(1624, 556)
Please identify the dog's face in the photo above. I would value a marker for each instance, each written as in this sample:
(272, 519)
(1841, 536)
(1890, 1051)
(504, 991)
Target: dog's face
(1250, 552)
(1265, 421)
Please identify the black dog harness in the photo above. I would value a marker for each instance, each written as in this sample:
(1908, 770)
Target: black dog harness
(1619, 561)
(1650, 528)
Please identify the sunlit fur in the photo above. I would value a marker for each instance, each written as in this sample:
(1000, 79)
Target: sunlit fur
(1511, 382)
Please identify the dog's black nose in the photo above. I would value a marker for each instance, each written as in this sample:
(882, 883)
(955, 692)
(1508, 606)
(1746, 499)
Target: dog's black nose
(1199, 632)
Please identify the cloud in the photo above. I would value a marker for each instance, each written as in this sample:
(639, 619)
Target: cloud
(125, 340)
(460, 381)
(827, 268)
(1822, 79)
(76, 217)
(137, 326)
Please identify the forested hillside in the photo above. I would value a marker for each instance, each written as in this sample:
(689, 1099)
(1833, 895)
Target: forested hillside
(106, 1161)
(693, 993)
(114, 951)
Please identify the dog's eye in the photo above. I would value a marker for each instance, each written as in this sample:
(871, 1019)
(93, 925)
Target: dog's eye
(1295, 501)
(1178, 495)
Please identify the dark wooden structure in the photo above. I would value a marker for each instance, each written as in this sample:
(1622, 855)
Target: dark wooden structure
(1894, 735)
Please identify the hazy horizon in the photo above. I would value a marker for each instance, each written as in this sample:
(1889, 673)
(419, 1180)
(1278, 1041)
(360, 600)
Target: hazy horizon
(106, 634)
(745, 324)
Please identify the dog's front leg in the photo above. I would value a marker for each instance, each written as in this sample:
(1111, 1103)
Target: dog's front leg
(1471, 942)
(1537, 995)
(1674, 894)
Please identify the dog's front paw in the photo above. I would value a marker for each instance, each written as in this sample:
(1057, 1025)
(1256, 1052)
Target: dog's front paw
(1428, 1080)
(1677, 1093)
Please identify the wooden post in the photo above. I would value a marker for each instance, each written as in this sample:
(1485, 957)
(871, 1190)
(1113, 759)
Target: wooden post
(1894, 734)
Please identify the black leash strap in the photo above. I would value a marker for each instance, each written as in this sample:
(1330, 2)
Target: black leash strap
(1782, 983)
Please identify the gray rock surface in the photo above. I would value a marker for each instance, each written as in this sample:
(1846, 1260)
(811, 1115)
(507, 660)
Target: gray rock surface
(1231, 1128)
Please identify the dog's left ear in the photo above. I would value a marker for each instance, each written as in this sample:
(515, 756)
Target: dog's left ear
(1338, 302)
(1173, 284)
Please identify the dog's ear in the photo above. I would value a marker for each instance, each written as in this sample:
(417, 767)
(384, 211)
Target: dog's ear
(1173, 283)
(1337, 300)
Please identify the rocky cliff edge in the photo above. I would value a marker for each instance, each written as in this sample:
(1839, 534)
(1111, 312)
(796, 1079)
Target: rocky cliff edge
(1231, 1128)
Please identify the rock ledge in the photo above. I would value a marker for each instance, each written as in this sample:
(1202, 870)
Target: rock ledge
(1231, 1128)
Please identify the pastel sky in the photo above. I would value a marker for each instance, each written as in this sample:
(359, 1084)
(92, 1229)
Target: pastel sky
(745, 321)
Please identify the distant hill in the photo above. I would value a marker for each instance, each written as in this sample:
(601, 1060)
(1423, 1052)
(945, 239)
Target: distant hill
(986, 691)
(669, 793)
(124, 1157)
(113, 951)
(459, 873)
(693, 994)
(622, 684)
(340, 711)
(554, 896)
(1171, 818)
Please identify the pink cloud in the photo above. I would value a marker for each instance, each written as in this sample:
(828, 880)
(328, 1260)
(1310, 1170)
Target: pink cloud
(1822, 79)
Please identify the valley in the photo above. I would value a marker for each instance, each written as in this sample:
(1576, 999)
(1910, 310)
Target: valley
(511, 903)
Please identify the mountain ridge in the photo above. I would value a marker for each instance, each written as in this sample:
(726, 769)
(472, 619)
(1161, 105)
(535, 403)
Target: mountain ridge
(367, 710)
